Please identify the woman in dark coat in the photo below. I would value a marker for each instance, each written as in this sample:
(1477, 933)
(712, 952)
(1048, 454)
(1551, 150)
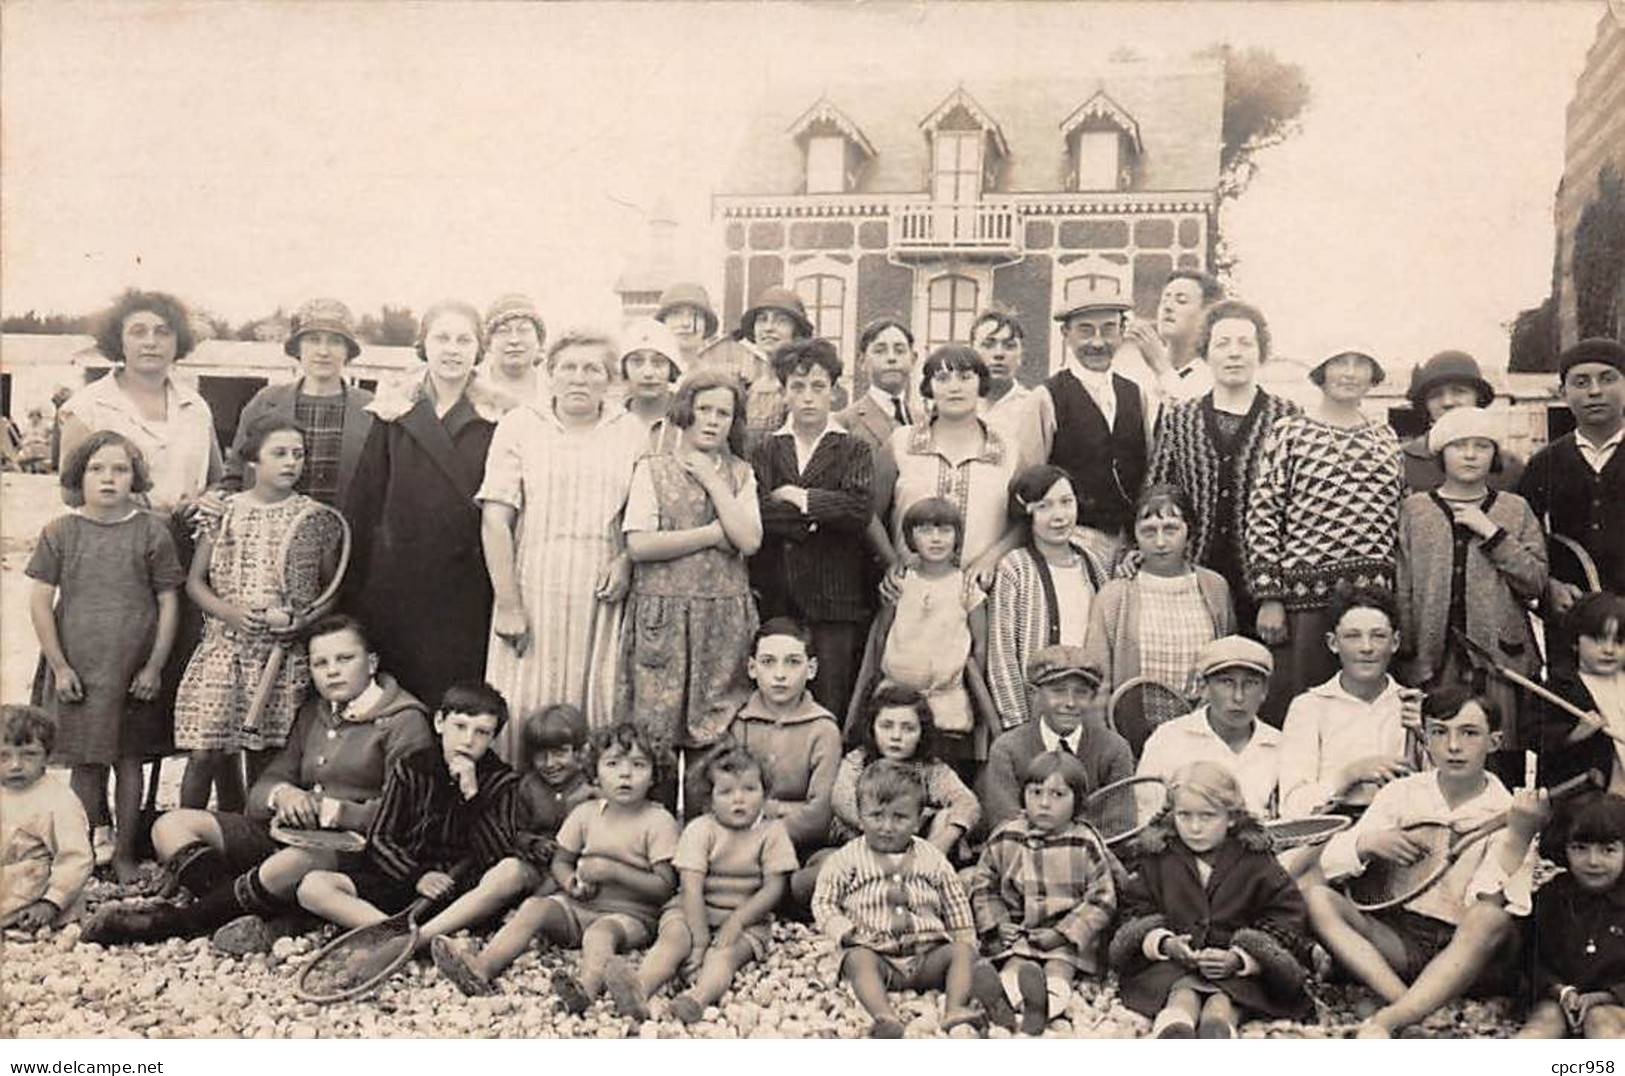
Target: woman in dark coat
(417, 577)
(1212, 921)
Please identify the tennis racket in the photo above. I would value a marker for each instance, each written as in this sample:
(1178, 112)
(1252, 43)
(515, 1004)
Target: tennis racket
(1123, 809)
(1484, 658)
(1140, 704)
(1386, 884)
(358, 961)
(312, 513)
(318, 840)
(1286, 834)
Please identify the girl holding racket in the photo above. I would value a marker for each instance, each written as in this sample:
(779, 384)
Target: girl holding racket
(1212, 920)
(259, 568)
(1043, 893)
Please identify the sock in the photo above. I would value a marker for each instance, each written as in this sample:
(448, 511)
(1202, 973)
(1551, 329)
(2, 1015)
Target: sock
(256, 899)
(1060, 993)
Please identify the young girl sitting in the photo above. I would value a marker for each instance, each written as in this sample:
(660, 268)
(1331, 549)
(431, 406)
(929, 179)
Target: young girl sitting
(898, 916)
(1043, 892)
(613, 865)
(112, 572)
(1470, 561)
(1597, 687)
(897, 725)
(259, 564)
(1213, 918)
(733, 864)
(691, 519)
(554, 784)
(934, 639)
(1155, 622)
(1579, 927)
(45, 856)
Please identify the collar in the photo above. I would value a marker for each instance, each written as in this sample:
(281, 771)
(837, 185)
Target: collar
(359, 709)
(1585, 444)
(1333, 689)
(922, 443)
(112, 394)
(807, 709)
(884, 399)
(1052, 739)
(1197, 724)
(1093, 380)
(830, 426)
(400, 397)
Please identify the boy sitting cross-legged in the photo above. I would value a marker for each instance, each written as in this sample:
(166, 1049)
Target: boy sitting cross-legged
(446, 813)
(1457, 935)
(733, 864)
(898, 915)
(613, 865)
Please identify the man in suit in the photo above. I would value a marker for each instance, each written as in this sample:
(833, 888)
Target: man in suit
(887, 347)
(815, 480)
(1068, 715)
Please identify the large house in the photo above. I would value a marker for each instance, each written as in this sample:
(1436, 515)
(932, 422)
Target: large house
(935, 200)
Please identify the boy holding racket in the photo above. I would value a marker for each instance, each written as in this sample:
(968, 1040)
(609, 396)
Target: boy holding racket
(1457, 935)
(446, 814)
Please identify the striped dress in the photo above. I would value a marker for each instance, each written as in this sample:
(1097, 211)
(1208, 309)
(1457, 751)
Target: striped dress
(567, 487)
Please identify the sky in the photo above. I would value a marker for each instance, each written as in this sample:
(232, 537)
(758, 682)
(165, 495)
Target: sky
(248, 155)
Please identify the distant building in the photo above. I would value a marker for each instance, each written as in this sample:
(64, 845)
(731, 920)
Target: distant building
(1595, 138)
(933, 200)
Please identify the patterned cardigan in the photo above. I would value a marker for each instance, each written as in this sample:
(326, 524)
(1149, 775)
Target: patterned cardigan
(1024, 619)
(1186, 457)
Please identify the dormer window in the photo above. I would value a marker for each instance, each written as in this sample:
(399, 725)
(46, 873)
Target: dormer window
(966, 149)
(1103, 142)
(834, 146)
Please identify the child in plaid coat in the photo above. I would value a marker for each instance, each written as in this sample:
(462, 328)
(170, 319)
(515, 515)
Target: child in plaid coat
(1043, 892)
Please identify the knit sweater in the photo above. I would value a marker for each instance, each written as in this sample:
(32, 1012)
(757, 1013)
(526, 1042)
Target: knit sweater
(1187, 456)
(1503, 572)
(1324, 511)
(1023, 619)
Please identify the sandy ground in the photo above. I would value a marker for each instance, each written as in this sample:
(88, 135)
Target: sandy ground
(53, 986)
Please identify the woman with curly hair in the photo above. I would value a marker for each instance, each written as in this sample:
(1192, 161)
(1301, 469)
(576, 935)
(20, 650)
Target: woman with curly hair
(1211, 921)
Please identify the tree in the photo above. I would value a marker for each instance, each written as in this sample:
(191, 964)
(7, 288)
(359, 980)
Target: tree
(1264, 99)
(392, 327)
(1599, 257)
(48, 324)
(1534, 339)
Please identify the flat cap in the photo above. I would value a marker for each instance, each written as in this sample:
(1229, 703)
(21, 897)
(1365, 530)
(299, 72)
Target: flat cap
(1053, 663)
(1234, 652)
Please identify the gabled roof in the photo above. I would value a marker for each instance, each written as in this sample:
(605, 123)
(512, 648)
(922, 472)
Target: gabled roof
(1177, 110)
(1102, 107)
(960, 99)
(825, 112)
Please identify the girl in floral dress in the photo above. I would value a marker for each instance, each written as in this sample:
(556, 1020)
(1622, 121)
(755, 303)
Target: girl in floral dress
(692, 517)
(257, 571)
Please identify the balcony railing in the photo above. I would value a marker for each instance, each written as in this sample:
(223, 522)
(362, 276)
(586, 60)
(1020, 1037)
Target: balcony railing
(991, 228)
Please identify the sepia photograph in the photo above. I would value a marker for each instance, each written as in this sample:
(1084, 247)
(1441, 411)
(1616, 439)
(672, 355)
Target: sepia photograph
(810, 521)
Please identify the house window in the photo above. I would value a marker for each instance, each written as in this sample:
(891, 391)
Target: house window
(1098, 161)
(951, 307)
(825, 298)
(826, 164)
(957, 166)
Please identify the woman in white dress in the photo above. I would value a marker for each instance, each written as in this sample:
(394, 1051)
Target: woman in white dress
(555, 484)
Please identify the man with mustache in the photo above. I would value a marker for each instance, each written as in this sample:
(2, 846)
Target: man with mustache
(1094, 423)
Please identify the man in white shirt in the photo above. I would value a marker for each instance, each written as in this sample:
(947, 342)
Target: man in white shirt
(1167, 348)
(998, 337)
(1346, 737)
(1235, 675)
(1459, 934)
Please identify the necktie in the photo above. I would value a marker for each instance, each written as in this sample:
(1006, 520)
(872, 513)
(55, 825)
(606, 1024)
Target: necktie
(1065, 746)
(897, 411)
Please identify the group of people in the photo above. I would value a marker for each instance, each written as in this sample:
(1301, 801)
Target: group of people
(866, 654)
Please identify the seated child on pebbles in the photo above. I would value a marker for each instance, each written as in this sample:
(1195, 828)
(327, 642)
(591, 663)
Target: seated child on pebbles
(44, 835)
(613, 865)
(446, 814)
(552, 745)
(898, 916)
(734, 865)
(1043, 893)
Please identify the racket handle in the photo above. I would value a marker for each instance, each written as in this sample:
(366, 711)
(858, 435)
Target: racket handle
(262, 690)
